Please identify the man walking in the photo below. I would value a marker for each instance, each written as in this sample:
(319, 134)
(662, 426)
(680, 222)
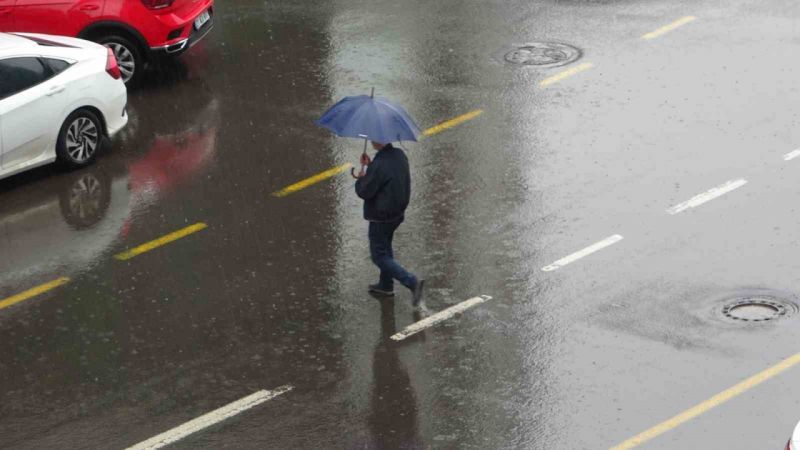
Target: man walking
(386, 190)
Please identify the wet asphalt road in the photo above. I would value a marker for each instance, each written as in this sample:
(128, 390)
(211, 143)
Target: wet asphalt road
(272, 293)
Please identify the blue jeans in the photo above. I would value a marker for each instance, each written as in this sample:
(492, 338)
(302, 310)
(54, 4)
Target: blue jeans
(380, 248)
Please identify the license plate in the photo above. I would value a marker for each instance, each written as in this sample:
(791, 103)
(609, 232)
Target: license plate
(201, 20)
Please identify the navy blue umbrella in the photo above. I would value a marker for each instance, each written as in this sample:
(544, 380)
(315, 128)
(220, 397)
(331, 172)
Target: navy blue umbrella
(370, 118)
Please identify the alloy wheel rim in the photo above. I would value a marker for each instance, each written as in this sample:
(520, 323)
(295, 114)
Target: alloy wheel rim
(84, 197)
(82, 139)
(125, 61)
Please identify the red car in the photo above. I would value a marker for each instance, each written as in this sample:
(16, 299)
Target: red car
(137, 30)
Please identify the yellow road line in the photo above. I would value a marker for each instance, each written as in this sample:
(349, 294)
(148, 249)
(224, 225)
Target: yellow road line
(713, 402)
(312, 180)
(30, 293)
(565, 74)
(322, 176)
(452, 123)
(667, 28)
(164, 240)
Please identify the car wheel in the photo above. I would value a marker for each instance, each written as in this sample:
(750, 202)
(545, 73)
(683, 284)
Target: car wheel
(86, 201)
(129, 57)
(79, 139)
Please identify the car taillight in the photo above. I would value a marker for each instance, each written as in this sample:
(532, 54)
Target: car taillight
(789, 445)
(111, 65)
(157, 4)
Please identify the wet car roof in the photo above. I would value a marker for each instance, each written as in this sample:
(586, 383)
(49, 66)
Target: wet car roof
(9, 41)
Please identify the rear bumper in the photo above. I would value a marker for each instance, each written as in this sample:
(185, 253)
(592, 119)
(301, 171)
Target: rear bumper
(117, 125)
(177, 46)
(185, 44)
(116, 114)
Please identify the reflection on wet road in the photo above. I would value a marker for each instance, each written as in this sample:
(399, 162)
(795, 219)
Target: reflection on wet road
(393, 417)
(713, 402)
(245, 256)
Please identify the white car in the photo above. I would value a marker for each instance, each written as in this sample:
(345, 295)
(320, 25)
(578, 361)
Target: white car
(60, 99)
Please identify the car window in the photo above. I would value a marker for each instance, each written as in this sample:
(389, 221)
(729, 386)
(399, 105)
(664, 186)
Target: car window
(56, 65)
(18, 74)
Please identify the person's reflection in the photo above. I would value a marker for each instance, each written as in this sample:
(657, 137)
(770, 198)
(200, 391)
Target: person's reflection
(393, 419)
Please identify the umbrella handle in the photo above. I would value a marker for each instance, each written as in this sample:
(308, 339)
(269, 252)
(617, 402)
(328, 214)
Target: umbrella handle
(353, 171)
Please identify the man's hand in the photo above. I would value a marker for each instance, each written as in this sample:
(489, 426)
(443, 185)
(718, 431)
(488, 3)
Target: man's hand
(361, 173)
(365, 160)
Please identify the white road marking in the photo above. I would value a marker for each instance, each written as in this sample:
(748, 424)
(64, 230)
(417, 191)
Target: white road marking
(212, 418)
(439, 317)
(707, 196)
(583, 253)
(791, 155)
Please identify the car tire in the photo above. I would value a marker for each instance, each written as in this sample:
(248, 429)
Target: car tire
(79, 140)
(129, 57)
(86, 201)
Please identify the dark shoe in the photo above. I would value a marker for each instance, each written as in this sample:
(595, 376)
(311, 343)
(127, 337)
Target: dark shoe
(377, 290)
(418, 291)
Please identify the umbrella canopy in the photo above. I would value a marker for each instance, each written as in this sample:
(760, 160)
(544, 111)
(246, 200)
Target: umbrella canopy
(373, 118)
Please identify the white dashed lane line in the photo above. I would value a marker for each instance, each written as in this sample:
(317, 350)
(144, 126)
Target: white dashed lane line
(707, 196)
(212, 418)
(791, 155)
(441, 316)
(611, 240)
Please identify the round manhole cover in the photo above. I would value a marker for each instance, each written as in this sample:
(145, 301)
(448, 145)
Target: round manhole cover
(543, 54)
(755, 309)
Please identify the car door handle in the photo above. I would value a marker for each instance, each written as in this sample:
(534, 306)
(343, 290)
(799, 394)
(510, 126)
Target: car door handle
(5, 11)
(55, 90)
(90, 7)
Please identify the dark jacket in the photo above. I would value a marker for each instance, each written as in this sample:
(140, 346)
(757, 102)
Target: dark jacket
(386, 187)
